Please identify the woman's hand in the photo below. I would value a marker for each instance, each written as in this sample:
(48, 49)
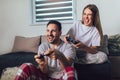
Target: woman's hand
(79, 45)
(65, 38)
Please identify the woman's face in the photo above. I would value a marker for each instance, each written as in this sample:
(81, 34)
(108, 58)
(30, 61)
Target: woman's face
(87, 17)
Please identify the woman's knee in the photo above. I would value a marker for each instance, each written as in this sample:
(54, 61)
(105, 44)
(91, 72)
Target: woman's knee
(102, 57)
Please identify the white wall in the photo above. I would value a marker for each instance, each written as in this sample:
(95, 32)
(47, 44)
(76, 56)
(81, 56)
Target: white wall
(109, 13)
(15, 19)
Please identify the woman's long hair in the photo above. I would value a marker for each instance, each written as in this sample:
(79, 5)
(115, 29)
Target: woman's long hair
(96, 19)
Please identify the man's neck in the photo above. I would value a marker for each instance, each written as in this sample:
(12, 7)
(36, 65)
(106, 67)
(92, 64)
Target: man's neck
(56, 44)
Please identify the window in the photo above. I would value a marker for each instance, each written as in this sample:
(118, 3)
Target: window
(45, 10)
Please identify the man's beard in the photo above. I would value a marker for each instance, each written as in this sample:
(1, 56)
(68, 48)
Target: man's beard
(55, 40)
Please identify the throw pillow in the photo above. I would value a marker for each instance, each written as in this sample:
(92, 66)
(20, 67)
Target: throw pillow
(27, 44)
(104, 46)
(114, 43)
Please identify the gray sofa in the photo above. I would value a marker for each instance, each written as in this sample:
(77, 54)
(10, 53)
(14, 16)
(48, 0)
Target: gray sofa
(114, 55)
(25, 48)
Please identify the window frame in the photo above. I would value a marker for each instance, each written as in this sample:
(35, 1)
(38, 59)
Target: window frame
(33, 14)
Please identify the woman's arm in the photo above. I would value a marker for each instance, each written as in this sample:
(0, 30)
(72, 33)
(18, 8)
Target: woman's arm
(93, 49)
(83, 47)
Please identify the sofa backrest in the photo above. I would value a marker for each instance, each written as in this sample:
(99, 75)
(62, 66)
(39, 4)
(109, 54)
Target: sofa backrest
(104, 47)
(30, 44)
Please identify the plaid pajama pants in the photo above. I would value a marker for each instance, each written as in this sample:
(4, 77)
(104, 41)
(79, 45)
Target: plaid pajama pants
(28, 71)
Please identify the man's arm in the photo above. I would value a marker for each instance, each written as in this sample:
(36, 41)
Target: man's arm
(56, 54)
(63, 60)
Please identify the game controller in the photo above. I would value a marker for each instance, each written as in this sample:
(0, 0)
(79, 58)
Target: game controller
(42, 55)
(71, 40)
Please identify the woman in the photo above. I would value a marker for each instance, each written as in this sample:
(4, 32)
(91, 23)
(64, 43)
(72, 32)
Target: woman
(89, 36)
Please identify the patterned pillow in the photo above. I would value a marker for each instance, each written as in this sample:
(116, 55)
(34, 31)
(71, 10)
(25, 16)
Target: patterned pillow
(114, 43)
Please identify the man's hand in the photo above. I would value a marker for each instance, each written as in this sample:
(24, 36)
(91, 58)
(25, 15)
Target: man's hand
(40, 61)
(51, 53)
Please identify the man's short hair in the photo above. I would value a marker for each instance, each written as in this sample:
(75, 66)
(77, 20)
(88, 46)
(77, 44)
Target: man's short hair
(55, 22)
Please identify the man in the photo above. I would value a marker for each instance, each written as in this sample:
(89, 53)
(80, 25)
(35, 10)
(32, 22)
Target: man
(55, 58)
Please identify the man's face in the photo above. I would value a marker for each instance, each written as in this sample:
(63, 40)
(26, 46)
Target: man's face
(53, 34)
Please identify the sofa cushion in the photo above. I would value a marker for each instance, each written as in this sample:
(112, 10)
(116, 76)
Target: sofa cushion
(28, 44)
(104, 46)
(114, 44)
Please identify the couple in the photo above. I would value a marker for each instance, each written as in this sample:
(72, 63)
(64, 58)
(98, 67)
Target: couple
(56, 57)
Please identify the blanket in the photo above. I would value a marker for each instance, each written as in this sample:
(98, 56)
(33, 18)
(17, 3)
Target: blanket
(14, 59)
